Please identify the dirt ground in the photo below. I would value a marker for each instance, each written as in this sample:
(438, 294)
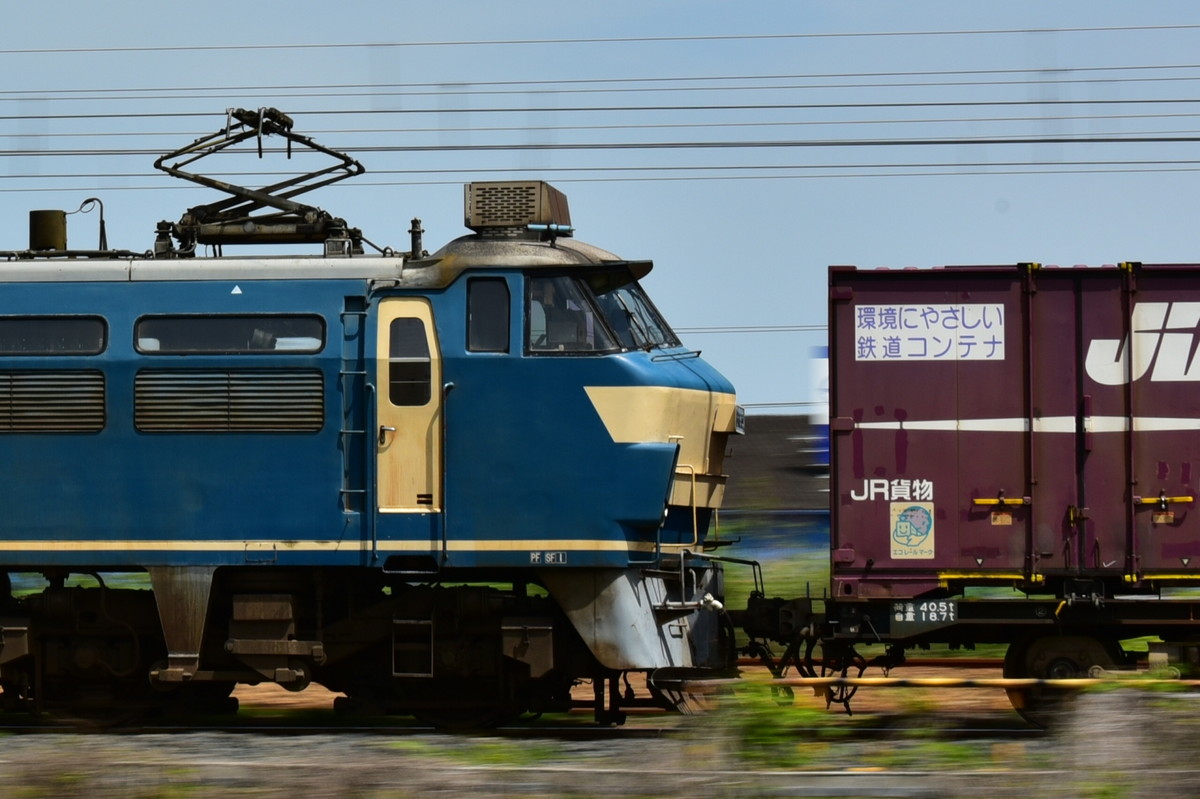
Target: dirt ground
(314, 697)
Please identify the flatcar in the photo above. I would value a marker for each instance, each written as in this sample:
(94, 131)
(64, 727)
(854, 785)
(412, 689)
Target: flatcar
(454, 485)
(1014, 461)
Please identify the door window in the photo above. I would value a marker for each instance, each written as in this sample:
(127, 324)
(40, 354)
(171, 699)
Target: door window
(408, 363)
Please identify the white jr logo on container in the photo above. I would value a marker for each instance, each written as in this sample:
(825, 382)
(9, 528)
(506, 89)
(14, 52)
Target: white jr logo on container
(893, 490)
(1163, 336)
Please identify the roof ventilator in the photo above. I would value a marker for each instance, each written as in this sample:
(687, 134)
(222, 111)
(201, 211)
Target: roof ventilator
(517, 210)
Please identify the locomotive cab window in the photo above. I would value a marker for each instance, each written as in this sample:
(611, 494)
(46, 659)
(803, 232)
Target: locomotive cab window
(409, 364)
(629, 312)
(561, 318)
(487, 314)
(52, 335)
(230, 334)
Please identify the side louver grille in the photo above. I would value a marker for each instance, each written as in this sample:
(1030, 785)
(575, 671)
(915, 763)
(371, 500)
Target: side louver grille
(232, 400)
(51, 402)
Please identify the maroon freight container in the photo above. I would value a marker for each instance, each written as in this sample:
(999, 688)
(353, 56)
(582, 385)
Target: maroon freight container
(1014, 425)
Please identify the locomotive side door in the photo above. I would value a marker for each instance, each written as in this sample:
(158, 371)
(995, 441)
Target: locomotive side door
(408, 433)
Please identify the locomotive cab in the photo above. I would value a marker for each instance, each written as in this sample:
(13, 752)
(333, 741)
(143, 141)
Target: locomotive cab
(586, 443)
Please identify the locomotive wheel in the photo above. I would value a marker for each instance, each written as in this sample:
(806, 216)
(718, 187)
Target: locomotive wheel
(1052, 657)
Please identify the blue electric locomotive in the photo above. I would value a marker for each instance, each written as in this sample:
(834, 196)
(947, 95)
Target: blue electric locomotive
(453, 485)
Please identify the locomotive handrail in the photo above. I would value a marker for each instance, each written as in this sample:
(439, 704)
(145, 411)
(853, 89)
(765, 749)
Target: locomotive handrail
(687, 468)
(707, 601)
(447, 387)
(675, 356)
(371, 507)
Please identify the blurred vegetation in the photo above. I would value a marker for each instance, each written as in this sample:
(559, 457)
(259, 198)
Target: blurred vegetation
(749, 729)
(793, 549)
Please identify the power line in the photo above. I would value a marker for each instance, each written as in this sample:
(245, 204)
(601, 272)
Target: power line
(757, 107)
(1000, 166)
(387, 90)
(973, 141)
(692, 331)
(900, 172)
(598, 40)
(521, 86)
(639, 126)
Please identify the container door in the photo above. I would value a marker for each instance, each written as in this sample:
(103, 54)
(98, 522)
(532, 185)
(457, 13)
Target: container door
(1095, 544)
(409, 408)
(1141, 470)
(930, 420)
(1055, 406)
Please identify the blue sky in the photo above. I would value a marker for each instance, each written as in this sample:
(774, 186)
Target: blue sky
(743, 147)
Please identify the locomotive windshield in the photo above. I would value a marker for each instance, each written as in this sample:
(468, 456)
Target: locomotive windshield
(631, 315)
(602, 312)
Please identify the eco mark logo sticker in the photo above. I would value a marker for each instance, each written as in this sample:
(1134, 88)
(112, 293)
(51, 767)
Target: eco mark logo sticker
(912, 530)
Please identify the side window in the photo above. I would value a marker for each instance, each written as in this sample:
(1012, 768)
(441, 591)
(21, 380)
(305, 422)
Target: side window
(52, 335)
(409, 371)
(487, 314)
(230, 334)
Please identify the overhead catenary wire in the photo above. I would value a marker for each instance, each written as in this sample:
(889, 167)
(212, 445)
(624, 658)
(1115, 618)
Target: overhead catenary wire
(610, 109)
(597, 40)
(1144, 138)
(441, 129)
(534, 88)
(752, 329)
(898, 172)
(716, 117)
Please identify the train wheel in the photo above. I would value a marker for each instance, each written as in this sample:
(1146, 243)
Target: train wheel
(841, 662)
(1052, 657)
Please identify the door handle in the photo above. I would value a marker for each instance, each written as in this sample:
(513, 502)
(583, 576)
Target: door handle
(383, 431)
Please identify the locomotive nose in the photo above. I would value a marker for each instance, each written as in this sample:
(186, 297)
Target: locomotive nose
(698, 423)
